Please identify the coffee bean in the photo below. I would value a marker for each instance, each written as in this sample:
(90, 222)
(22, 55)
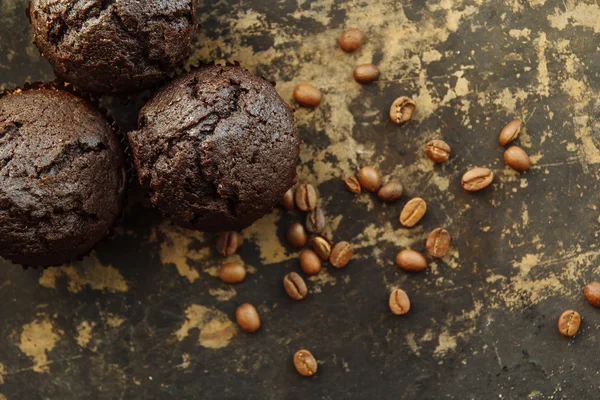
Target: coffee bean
(366, 73)
(307, 95)
(227, 243)
(592, 293)
(296, 235)
(322, 247)
(569, 322)
(477, 179)
(438, 243)
(306, 197)
(315, 221)
(410, 260)
(510, 132)
(390, 192)
(412, 212)
(233, 272)
(341, 254)
(288, 201)
(247, 317)
(351, 39)
(516, 158)
(305, 363)
(437, 151)
(399, 302)
(352, 184)
(295, 286)
(402, 109)
(369, 179)
(310, 262)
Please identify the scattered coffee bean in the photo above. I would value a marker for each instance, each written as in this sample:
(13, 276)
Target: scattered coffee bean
(569, 322)
(516, 158)
(341, 254)
(390, 192)
(233, 272)
(310, 262)
(296, 235)
(438, 243)
(295, 286)
(399, 302)
(410, 260)
(369, 178)
(366, 73)
(592, 293)
(305, 363)
(412, 212)
(306, 197)
(227, 243)
(288, 201)
(437, 151)
(315, 221)
(307, 95)
(352, 184)
(322, 247)
(402, 109)
(477, 179)
(351, 39)
(510, 132)
(247, 317)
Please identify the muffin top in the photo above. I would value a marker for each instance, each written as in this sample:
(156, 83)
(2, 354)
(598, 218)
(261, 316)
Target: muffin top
(62, 177)
(217, 147)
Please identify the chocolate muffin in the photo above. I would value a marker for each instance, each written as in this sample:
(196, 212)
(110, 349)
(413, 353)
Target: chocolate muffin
(62, 177)
(113, 46)
(218, 148)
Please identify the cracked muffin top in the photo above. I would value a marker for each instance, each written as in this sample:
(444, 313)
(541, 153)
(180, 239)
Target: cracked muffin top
(217, 148)
(113, 46)
(62, 177)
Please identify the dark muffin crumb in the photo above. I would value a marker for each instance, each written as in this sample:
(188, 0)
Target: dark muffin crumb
(113, 46)
(218, 148)
(62, 177)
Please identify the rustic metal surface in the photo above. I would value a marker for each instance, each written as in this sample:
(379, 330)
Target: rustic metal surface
(146, 317)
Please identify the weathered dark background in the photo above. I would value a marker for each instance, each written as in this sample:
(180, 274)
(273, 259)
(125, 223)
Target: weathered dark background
(145, 317)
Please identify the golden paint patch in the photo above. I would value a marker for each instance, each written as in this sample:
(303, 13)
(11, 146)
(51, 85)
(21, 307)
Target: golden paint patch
(84, 333)
(216, 329)
(38, 338)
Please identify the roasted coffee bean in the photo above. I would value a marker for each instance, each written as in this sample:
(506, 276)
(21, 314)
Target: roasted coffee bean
(227, 243)
(369, 178)
(410, 260)
(341, 254)
(437, 151)
(307, 95)
(351, 39)
(305, 363)
(569, 322)
(296, 235)
(322, 247)
(516, 158)
(592, 293)
(306, 197)
(366, 73)
(438, 242)
(390, 192)
(352, 184)
(310, 262)
(510, 132)
(399, 302)
(288, 202)
(247, 317)
(477, 179)
(315, 221)
(233, 272)
(295, 286)
(402, 109)
(412, 212)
